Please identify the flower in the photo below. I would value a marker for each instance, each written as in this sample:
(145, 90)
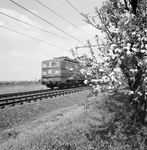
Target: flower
(83, 71)
(112, 74)
(101, 70)
(139, 93)
(86, 81)
(109, 87)
(117, 50)
(140, 64)
(131, 92)
(113, 79)
(113, 45)
(133, 33)
(132, 70)
(134, 49)
(145, 79)
(143, 51)
(128, 44)
(145, 38)
(128, 52)
(105, 79)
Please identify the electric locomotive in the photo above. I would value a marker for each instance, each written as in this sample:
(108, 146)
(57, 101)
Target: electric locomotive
(61, 72)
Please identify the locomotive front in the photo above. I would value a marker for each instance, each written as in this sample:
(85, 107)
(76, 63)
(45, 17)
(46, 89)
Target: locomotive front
(51, 73)
(61, 72)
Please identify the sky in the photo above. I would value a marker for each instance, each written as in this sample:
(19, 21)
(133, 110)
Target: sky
(24, 47)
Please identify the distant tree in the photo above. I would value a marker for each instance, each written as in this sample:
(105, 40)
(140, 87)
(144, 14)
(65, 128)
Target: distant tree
(125, 46)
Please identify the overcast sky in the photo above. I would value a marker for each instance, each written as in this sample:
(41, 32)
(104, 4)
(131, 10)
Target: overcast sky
(21, 56)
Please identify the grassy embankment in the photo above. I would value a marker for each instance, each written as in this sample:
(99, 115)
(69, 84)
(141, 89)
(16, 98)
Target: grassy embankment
(104, 125)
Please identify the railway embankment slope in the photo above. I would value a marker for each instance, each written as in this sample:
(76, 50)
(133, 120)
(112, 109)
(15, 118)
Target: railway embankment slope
(66, 123)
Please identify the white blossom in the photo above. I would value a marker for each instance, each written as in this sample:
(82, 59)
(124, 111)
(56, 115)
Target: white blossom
(113, 79)
(106, 58)
(133, 33)
(97, 88)
(145, 79)
(86, 81)
(101, 70)
(109, 87)
(143, 50)
(140, 64)
(95, 81)
(131, 92)
(128, 44)
(113, 56)
(135, 49)
(116, 30)
(112, 74)
(132, 70)
(105, 79)
(122, 57)
(139, 93)
(83, 71)
(145, 38)
(113, 46)
(128, 52)
(118, 50)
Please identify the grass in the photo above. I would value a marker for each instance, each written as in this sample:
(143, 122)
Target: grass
(20, 86)
(20, 114)
(105, 125)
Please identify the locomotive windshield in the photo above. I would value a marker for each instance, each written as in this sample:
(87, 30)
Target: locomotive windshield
(45, 64)
(53, 64)
(50, 64)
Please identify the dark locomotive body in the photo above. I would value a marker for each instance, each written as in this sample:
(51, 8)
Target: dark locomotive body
(61, 72)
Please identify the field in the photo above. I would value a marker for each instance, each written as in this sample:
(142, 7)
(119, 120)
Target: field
(10, 87)
(64, 123)
(19, 122)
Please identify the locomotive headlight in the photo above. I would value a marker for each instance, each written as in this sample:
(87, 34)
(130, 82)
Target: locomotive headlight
(49, 71)
(56, 72)
(43, 73)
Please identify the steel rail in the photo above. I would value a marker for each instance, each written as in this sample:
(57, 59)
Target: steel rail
(19, 98)
(22, 93)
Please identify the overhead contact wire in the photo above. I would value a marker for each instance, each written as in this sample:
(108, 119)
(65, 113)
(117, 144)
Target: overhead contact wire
(74, 7)
(62, 17)
(46, 21)
(33, 26)
(32, 37)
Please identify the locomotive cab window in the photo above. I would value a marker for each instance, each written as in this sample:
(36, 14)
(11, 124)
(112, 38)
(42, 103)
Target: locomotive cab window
(54, 64)
(45, 64)
(50, 64)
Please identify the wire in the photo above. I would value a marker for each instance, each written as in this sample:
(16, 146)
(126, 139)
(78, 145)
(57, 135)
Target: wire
(33, 26)
(63, 18)
(32, 37)
(74, 7)
(88, 46)
(46, 21)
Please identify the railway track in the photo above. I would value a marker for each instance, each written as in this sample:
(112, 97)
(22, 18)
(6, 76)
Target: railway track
(12, 99)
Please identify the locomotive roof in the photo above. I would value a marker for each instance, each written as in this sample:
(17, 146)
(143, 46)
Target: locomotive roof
(62, 59)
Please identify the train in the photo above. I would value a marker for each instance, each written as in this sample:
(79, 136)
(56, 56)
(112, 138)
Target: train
(61, 72)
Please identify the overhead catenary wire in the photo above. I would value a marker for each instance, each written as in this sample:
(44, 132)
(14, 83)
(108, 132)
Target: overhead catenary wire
(33, 26)
(45, 21)
(63, 18)
(74, 7)
(32, 37)
(85, 46)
